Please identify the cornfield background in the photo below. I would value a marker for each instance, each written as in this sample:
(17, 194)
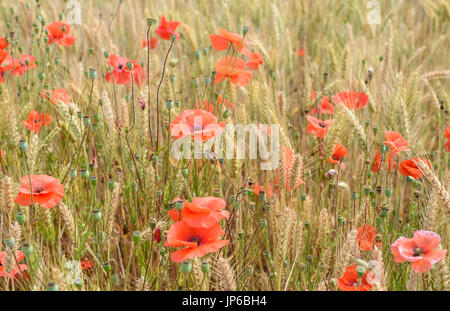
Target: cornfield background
(299, 240)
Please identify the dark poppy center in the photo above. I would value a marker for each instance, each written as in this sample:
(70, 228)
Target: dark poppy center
(120, 66)
(38, 189)
(197, 128)
(321, 124)
(417, 252)
(195, 239)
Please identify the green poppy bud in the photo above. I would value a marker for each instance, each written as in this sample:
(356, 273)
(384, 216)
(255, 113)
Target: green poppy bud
(205, 267)
(96, 215)
(21, 218)
(52, 287)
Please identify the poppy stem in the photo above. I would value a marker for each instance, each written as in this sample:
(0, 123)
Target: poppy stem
(149, 116)
(157, 93)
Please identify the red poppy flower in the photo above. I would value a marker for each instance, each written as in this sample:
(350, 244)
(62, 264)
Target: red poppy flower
(199, 241)
(233, 68)
(201, 125)
(447, 135)
(377, 162)
(57, 96)
(166, 29)
(3, 55)
(17, 268)
(422, 250)
(85, 264)
(349, 281)
(268, 189)
(157, 235)
(289, 157)
(366, 237)
(326, 107)
(18, 66)
(202, 212)
(121, 73)
(318, 127)
(3, 43)
(58, 32)
(300, 52)
(396, 141)
(352, 100)
(339, 152)
(47, 191)
(153, 43)
(255, 61)
(208, 106)
(36, 120)
(222, 40)
(410, 168)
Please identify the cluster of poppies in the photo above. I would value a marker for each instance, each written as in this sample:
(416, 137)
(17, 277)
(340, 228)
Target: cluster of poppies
(422, 250)
(196, 227)
(233, 67)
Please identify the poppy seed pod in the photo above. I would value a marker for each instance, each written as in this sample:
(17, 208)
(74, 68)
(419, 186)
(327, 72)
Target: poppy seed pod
(78, 282)
(263, 223)
(23, 145)
(186, 267)
(360, 271)
(173, 38)
(10, 242)
(262, 195)
(27, 249)
(111, 185)
(52, 287)
(244, 30)
(86, 121)
(388, 192)
(21, 218)
(92, 74)
(84, 173)
(252, 205)
(107, 266)
(354, 196)
(96, 215)
(137, 236)
(205, 267)
(216, 193)
(150, 21)
(267, 254)
(249, 270)
(130, 65)
(93, 181)
(179, 205)
(106, 54)
(73, 174)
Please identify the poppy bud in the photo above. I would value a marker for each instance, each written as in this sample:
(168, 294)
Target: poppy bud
(205, 267)
(177, 103)
(226, 114)
(375, 130)
(369, 174)
(367, 123)
(411, 179)
(197, 54)
(267, 254)
(303, 196)
(244, 30)
(106, 54)
(96, 215)
(362, 263)
(341, 219)
(157, 235)
(52, 287)
(297, 135)
(130, 65)
(306, 223)
(240, 234)
(186, 267)
(354, 196)
(96, 117)
(150, 21)
(23, 145)
(360, 270)
(21, 218)
(41, 76)
(91, 51)
(137, 236)
(115, 279)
